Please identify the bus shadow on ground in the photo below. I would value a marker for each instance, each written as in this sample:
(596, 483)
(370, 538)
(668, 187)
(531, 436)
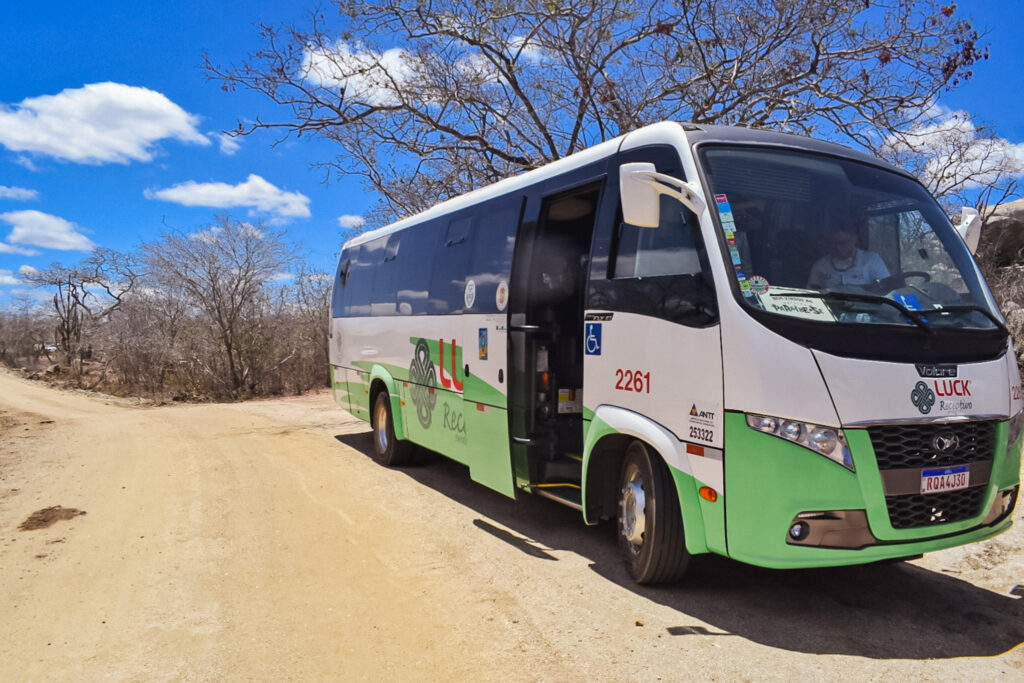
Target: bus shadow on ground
(883, 611)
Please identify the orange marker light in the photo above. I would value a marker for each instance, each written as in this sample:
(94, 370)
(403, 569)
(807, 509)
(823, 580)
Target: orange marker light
(693, 449)
(708, 494)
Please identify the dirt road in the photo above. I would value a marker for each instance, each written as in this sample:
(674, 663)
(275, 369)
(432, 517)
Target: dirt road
(259, 541)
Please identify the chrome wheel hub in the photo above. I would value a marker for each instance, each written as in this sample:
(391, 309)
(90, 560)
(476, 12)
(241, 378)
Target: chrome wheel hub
(380, 427)
(633, 504)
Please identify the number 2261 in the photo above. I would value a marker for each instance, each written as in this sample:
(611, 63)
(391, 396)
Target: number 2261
(633, 380)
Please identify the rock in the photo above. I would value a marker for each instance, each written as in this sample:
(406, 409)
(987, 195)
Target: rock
(1003, 235)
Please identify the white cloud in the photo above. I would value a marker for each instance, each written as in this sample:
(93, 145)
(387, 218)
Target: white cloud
(7, 278)
(25, 162)
(281, 277)
(11, 249)
(368, 77)
(27, 270)
(522, 47)
(19, 193)
(44, 230)
(958, 156)
(96, 124)
(210, 235)
(351, 221)
(255, 193)
(36, 294)
(376, 79)
(228, 144)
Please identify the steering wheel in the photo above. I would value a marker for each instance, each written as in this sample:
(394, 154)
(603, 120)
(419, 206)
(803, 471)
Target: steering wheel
(901, 278)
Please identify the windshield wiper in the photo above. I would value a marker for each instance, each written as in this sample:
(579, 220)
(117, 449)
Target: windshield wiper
(914, 316)
(976, 309)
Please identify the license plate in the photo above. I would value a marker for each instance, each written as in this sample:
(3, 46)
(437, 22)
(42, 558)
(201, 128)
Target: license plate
(945, 479)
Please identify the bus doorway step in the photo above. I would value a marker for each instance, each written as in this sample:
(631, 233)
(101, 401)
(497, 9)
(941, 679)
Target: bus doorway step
(566, 469)
(566, 494)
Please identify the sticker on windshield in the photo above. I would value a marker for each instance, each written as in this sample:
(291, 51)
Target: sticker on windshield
(789, 302)
(725, 212)
(735, 253)
(908, 301)
(758, 284)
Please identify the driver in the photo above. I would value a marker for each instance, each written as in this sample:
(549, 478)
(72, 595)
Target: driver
(845, 264)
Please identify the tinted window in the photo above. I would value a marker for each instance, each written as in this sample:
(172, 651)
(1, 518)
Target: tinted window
(338, 291)
(413, 267)
(451, 262)
(669, 249)
(362, 273)
(424, 269)
(493, 243)
(661, 272)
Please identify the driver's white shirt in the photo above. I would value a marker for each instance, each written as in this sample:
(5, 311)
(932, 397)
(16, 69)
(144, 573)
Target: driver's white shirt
(864, 268)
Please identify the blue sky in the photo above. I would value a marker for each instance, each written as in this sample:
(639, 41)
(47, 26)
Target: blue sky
(116, 190)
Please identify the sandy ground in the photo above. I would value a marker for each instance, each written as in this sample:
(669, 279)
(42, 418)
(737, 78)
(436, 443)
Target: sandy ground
(259, 541)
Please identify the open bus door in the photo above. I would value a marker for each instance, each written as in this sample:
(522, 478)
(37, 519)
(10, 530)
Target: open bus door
(549, 274)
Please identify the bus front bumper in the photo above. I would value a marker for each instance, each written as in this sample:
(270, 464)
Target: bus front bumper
(788, 507)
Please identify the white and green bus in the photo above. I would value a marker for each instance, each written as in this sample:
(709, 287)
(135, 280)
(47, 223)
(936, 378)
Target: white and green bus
(729, 341)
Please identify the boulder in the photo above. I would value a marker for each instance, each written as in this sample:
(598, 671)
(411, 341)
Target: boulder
(1002, 238)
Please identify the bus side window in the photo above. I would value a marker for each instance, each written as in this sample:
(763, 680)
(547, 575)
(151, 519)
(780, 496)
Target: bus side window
(661, 272)
(413, 266)
(451, 262)
(382, 293)
(362, 275)
(492, 253)
(353, 280)
(338, 293)
(669, 249)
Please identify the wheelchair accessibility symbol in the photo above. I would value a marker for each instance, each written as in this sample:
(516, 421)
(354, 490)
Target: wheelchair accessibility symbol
(592, 339)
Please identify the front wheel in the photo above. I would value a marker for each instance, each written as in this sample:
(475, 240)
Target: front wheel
(650, 522)
(387, 450)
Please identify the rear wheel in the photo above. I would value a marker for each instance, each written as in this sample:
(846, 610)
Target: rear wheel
(387, 450)
(650, 522)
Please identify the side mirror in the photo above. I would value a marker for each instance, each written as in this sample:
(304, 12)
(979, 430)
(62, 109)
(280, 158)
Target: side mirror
(970, 227)
(639, 188)
(640, 205)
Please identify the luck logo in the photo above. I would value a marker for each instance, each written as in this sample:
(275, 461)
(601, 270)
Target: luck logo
(422, 378)
(922, 397)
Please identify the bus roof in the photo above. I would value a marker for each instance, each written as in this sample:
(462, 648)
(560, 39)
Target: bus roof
(666, 132)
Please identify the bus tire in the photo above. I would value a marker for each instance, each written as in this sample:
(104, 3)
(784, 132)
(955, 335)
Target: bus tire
(650, 524)
(387, 450)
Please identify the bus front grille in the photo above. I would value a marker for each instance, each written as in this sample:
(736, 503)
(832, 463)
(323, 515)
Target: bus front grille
(908, 446)
(917, 510)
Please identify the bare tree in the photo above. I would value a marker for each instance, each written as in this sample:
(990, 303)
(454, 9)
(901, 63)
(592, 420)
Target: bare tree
(430, 99)
(224, 272)
(85, 294)
(311, 310)
(961, 163)
(26, 334)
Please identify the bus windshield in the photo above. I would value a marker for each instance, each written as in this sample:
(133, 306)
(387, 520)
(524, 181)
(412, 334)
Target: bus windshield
(835, 241)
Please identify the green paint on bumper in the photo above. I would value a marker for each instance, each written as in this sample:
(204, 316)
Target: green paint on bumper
(770, 481)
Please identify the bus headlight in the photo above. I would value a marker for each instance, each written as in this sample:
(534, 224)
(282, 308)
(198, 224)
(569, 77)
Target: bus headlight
(826, 441)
